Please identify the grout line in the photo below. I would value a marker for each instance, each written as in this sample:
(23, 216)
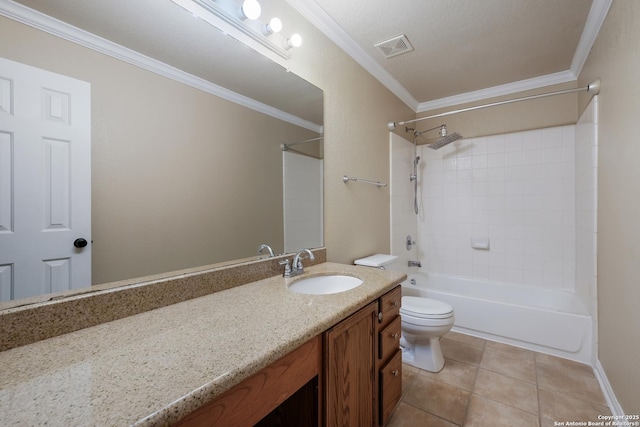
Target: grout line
(535, 368)
(473, 388)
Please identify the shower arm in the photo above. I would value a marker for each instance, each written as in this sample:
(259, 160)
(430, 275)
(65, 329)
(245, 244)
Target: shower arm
(418, 133)
(285, 147)
(594, 88)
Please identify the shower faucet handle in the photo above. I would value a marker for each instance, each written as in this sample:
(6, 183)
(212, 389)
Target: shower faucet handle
(410, 242)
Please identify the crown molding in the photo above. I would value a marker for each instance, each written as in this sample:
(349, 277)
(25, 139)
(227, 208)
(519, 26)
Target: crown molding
(53, 26)
(330, 28)
(318, 17)
(501, 90)
(597, 14)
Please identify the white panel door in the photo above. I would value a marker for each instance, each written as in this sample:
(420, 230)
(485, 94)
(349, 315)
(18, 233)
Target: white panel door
(45, 181)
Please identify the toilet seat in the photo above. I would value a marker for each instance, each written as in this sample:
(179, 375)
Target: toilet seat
(425, 308)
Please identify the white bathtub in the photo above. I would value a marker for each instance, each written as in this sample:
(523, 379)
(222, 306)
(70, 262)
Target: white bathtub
(548, 321)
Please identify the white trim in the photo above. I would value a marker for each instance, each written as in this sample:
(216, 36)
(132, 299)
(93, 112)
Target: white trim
(318, 17)
(330, 28)
(53, 26)
(609, 395)
(597, 14)
(506, 89)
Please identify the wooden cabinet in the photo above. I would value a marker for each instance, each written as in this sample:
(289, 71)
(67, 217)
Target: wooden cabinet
(349, 370)
(389, 355)
(289, 383)
(351, 376)
(363, 365)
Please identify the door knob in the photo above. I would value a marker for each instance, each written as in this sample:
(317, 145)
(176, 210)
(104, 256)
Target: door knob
(80, 243)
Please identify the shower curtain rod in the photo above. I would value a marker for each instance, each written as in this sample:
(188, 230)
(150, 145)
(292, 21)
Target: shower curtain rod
(285, 147)
(594, 87)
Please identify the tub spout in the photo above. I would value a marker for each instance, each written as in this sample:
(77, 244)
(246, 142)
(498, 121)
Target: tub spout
(415, 264)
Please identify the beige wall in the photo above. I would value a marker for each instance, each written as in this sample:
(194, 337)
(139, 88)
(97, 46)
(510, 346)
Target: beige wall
(615, 58)
(519, 116)
(357, 109)
(174, 184)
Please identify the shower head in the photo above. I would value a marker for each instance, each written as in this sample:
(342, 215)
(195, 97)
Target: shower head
(444, 138)
(416, 160)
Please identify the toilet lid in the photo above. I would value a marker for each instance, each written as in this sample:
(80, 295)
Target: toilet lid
(425, 307)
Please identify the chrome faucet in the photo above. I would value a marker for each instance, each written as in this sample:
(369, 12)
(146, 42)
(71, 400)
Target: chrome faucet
(297, 267)
(263, 247)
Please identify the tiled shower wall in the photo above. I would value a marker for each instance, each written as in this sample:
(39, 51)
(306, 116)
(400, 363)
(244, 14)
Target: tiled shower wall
(516, 190)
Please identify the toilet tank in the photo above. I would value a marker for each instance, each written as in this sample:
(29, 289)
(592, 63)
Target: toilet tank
(383, 261)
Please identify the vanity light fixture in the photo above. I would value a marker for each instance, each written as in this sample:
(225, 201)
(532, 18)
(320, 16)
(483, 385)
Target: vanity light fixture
(240, 19)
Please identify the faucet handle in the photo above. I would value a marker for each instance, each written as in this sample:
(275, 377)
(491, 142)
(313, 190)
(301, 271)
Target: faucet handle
(287, 268)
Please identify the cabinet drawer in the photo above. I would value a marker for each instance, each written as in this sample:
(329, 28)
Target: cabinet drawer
(390, 386)
(390, 305)
(389, 339)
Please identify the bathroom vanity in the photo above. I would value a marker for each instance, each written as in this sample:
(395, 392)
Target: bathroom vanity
(258, 339)
(328, 378)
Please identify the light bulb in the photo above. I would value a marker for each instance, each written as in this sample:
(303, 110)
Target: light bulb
(294, 41)
(274, 26)
(251, 9)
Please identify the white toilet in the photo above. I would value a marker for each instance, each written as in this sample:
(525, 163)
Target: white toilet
(424, 322)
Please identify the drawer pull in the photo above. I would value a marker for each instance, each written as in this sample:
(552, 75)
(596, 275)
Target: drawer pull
(395, 303)
(395, 373)
(394, 336)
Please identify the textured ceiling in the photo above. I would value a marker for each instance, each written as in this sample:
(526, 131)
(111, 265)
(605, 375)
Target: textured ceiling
(460, 46)
(465, 45)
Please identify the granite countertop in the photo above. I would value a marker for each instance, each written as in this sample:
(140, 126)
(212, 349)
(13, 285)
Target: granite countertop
(155, 367)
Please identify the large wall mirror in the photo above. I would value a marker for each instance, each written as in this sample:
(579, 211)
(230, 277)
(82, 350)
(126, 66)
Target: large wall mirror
(180, 177)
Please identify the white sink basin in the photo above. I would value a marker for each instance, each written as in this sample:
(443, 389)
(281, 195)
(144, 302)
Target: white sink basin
(324, 285)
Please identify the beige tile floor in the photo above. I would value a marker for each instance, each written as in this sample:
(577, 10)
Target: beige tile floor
(485, 383)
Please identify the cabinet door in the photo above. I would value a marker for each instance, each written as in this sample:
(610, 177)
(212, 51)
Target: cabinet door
(389, 338)
(390, 386)
(390, 306)
(349, 370)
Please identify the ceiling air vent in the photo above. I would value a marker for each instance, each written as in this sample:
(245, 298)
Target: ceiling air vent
(395, 46)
